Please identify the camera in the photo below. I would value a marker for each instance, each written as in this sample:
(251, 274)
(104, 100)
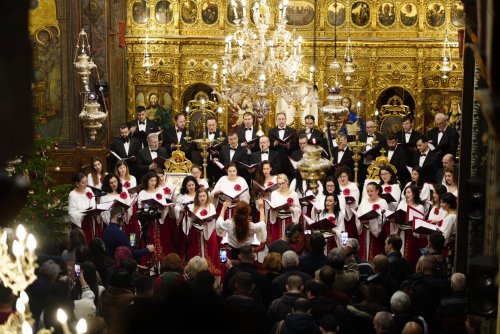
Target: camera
(223, 255)
(77, 270)
(344, 237)
(148, 214)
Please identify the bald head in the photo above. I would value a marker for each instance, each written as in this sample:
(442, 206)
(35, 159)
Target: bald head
(427, 264)
(381, 264)
(458, 282)
(412, 328)
(448, 160)
(294, 283)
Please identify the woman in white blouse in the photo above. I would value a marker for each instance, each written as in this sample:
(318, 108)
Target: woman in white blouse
(96, 174)
(231, 185)
(82, 198)
(448, 225)
(451, 181)
(123, 172)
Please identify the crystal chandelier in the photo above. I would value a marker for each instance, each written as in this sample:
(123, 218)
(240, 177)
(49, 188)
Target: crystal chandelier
(348, 68)
(147, 64)
(91, 116)
(446, 58)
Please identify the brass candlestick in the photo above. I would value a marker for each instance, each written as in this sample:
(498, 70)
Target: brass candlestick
(356, 147)
(203, 142)
(312, 166)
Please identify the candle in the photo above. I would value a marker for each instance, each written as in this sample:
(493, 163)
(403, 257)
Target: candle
(243, 5)
(300, 44)
(295, 48)
(358, 105)
(234, 9)
(280, 14)
(271, 49)
(214, 77)
(311, 72)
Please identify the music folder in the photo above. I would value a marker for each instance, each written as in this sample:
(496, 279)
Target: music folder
(400, 217)
(422, 226)
(135, 190)
(252, 142)
(283, 141)
(232, 194)
(155, 203)
(278, 207)
(388, 197)
(160, 161)
(307, 199)
(120, 158)
(372, 214)
(262, 188)
(197, 219)
(248, 167)
(322, 225)
(97, 191)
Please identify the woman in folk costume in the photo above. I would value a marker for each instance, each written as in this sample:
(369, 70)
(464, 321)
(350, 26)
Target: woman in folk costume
(123, 172)
(279, 218)
(96, 174)
(231, 185)
(82, 198)
(196, 171)
(450, 179)
(169, 227)
(115, 191)
(128, 181)
(436, 212)
(349, 194)
(301, 187)
(202, 237)
(448, 225)
(390, 185)
(411, 242)
(240, 229)
(333, 213)
(424, 189)
(150, 224)
(186, 196)
(371, 232)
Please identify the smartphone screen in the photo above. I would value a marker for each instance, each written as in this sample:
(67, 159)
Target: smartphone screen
(77, 270)
(307, 231)
(344, 237)
(223, 255)
(132, 239)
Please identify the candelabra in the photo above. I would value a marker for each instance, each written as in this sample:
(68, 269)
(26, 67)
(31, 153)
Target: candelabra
(91, 116)
(312, 166)
(357, 147)
(333, 114)
(446, 56)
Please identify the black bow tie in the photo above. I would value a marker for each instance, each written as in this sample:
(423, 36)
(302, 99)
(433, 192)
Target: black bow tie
(265, 152)
(211, 133)
(153, 150)
(408, 133)
(423, 154)
(341, 150)
(440, 131)
(391, 148)
(248, 129)
(233, 148)
(142, 123)
(179, 130)
(124, 140)
(370, 136)
(281, 129)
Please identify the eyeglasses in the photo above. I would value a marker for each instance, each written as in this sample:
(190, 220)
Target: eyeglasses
(385, 173)
(281, 183)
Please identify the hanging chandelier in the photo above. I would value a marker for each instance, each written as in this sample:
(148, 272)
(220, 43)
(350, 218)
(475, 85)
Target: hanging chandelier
(446, 66)
(348, 67)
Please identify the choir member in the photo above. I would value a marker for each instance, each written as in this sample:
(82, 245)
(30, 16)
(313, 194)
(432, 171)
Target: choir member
(125, 147)
(82, 198)
(331, 210)
(196, 171)
(96, 174)
(168, 229)
(202, 239)
(302, 188)
(436, 213)
(427, 160)
(265, 154)
(349, 194)
(280, 218)
(247, 133)
(185, 197)
(371, 233)
(122, 171)
(390, 185)
(141, 127)
(424, 189)
(264, 177)
(283, 141)
(313, 135)
(443, 137)
(448, 225)
(229, 186)
(398, 157)
(146, 156)
(451, 181)
(115, 191)
(408, 137)
(240, 229)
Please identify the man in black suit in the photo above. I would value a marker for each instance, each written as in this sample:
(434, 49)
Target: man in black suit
(266, 154)
(284, 141)
(373, 151)
(408, 137)
(297, 154)
(398, 158)
(229, 153)
(247, 132)
(399, 267)
(342, 155)
(313, 135)
(142, 126)
(146, 156)
(177, 134)
(125, 147)
(443, 137)
(219, 138)
(448, 162)
(427, 160)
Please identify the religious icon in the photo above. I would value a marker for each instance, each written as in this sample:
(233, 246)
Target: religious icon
(140, 12)
(163, 12)
(231, 11)
(386, 14)
(458, 14)
(300, 13)
(360, 13)
(409, 14)
(435, 14)
(336, 14)
(209, 12)
(189, 11)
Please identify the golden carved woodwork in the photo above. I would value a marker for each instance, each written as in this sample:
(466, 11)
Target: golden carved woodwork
(374, 168)
(178, 163)
(388, 50)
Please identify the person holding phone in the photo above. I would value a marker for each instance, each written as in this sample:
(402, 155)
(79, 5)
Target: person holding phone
(240, 229)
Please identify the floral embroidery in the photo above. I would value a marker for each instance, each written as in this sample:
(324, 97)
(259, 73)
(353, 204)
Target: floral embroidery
(270, 183)
(346, 192)
(123, 195)
(237, 187)
(375, 207)
(159, 196)
(203, 212)
(89, 194)
(388, 189)
(436, 211)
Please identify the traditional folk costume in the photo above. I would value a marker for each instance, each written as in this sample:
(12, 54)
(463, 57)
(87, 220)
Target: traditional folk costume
(412, 242)
(280, 219)
(333, 240)
(89, 222)
(181, 202)
(91, 183)
(371, 233)
(131, 225)
(350, 190)
(224, 185)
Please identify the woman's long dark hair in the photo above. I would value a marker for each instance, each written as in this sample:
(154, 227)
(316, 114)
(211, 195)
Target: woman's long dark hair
(149, 175)
(105, 184)
(394, 178)
(330, 178)
(336, 208)
(188, 178)
(241, 219)
(420, 182)
(416, 195)
(89, 272)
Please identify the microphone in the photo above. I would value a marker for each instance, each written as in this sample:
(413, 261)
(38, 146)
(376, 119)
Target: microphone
(383, 211)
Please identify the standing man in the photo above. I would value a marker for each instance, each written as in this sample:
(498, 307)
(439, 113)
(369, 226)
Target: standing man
(142, 126)
(448, 162)
(284, 142)
(398, 158)
(266, 154)
(313, 135)
(247, 132)
(297, 154)
(125, 147)
(408, 137)
(177, 134)
(342, 154)
(443, 137)
(427, 160)
(146, 156)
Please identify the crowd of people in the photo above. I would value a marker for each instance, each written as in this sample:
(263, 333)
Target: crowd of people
(250, 248)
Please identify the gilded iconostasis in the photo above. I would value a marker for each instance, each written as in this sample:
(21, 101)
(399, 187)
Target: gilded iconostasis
(397, 49)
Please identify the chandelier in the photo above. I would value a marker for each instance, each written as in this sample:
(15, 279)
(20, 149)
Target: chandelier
(348, 68)
(446, 58)
(91, 116)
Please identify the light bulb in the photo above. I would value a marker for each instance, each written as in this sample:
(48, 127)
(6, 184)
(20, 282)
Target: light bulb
(31, 242)
(81, 326)
(61, 316)
(21, 233)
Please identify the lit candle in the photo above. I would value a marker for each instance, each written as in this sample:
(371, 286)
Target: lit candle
(63, 319)
(358, 105)
(311, 72)
(233, 3)
(256, 15)
(214, 77)
(271, 49)
(295, 48)
(280, 13)
(300, 44)
(285, 4)
(224, 73)
(243, 5)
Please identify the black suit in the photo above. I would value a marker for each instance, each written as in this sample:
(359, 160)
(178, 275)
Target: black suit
(408, 146)
(284, 153)
(430, 166)
(399, 267)
(448, 143)
(346, 160)
(381, 141)
(399, 160)
(240, 155)
(118, 147)
(144, 159)
(375, 152)
(274, 158)
(241, 130)
(170, 137)
(316, 137)
(151, 126)
(297, 155)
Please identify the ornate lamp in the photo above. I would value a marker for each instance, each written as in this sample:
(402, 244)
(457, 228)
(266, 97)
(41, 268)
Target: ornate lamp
(313, 167)
(446, 58)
